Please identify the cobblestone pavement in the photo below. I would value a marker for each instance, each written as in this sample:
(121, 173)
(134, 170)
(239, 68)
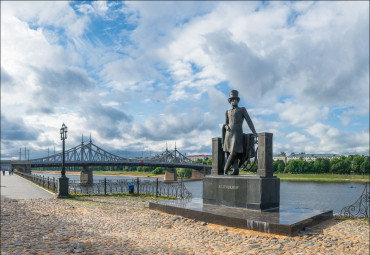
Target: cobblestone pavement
(125, 225)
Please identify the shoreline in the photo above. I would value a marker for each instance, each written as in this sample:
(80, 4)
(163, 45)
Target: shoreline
(287, 178)
(120, 174)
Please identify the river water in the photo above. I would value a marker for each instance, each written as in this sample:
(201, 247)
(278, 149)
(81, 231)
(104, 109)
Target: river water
(313, 195)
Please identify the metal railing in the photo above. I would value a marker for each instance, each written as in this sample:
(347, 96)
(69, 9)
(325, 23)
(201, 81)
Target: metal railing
(360, 208)
(46, 182)
(104, 187)
(155, 187)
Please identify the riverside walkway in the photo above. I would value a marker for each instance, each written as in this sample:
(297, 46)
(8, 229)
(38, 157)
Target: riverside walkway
(16, 187)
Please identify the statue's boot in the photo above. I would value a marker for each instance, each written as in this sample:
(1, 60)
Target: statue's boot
(236, 168)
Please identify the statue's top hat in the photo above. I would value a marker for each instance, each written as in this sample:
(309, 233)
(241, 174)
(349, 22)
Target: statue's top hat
(234, 94)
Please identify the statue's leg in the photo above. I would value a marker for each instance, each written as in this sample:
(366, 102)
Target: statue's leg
(236, 167)
(230, 160)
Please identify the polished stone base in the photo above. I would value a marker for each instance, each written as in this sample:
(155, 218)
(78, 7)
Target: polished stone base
(282, 221)
(249, 191)
(63, 188)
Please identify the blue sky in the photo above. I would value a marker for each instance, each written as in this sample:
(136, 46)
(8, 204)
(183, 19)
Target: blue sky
(138, 75)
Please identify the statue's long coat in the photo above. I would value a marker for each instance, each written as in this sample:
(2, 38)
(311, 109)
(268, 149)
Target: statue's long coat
(233, 142)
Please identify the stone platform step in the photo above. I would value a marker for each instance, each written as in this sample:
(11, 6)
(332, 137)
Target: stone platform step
(282, 221)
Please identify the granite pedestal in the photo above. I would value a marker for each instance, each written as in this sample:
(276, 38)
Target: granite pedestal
(252, 192)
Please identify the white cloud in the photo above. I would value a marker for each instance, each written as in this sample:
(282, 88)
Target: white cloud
(294, 70)
(296, 137)
(301, 115)
(332, 140)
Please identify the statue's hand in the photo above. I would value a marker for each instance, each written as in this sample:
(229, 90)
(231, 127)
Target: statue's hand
(227, 127)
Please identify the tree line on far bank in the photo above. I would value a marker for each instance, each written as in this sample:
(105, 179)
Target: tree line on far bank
(341, 165)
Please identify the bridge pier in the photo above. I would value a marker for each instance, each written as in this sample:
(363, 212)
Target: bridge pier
(197, 174)
(21, 167)
(86, 176)
(170, 174)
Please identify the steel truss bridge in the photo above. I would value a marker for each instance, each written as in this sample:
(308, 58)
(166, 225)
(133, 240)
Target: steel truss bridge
(89, 154)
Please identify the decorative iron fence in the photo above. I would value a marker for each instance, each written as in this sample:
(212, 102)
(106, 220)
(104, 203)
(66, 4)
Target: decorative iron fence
(360, 208)
(46, 182)
(155, 187)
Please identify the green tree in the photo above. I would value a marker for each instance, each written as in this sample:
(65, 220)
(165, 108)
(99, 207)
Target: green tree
(365, 166)
(311, 167)
(321, 165)
(199, 160)
(209, 161)
(158, 170)
(184, 172)
(340, 165)
(278, 166)
(357, 162)
(293, 166)
(146, 169)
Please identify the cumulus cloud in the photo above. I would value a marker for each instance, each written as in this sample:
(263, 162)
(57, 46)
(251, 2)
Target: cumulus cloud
(301, 115)
(161, 71)
(175, 125)
(337, 141)
(296, 137)
(15, 129)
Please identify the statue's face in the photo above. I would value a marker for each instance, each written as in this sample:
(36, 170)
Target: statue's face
(234, 101)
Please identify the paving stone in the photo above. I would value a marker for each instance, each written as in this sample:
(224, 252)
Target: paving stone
(123, 225)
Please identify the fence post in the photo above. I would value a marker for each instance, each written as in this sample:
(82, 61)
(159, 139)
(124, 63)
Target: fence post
(138, 183)
(156, 189)
(48, 183)
(54, 184)
(105, 186)
(182, 188)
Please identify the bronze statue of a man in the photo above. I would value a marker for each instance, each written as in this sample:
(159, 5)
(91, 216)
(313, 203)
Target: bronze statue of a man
(232, 133)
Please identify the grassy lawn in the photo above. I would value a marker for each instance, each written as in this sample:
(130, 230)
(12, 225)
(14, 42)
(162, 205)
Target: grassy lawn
(324, 177)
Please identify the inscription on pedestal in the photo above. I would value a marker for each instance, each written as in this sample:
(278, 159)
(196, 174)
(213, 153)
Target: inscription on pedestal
(227, 187)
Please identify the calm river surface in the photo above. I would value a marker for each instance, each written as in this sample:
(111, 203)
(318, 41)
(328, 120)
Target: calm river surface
(314, 195)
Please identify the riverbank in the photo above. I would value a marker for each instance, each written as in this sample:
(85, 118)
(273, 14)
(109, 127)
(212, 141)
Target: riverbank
(106, 173)
(283, 177)
(125, 225)
(324, 177)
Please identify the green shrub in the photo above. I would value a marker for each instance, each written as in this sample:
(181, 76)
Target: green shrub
(158, 170)
(184, 172)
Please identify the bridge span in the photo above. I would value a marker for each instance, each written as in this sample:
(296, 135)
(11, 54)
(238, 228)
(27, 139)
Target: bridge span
(87, 155)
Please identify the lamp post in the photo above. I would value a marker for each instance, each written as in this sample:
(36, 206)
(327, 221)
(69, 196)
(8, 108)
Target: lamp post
(63, 180)
(63, 137)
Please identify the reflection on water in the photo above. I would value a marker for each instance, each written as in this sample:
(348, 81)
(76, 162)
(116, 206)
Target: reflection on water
(313, 195)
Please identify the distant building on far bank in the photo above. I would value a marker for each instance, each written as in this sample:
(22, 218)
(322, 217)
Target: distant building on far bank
(203, 157)
(311, 157)
(279, 157)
